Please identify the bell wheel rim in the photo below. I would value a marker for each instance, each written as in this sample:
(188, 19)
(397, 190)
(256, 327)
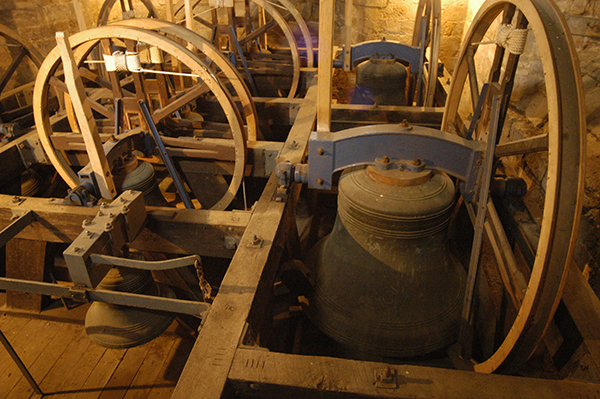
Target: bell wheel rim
(85, 41)
(565, 152)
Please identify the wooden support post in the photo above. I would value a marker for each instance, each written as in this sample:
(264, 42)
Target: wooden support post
(85, 117)
(348, 36)
(26, 260)
(169, 8)
(325, 74)
(79, 14)
(205, 373)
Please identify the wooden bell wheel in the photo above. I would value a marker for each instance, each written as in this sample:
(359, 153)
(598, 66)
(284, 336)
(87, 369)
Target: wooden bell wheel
(250, 44)
(24, 57)
(207, 50)
(127, 10)
(427, 35)
(558, 147)
(164, 97)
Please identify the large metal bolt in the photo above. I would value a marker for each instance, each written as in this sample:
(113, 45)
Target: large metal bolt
(85, 222)
(417, 162)
(405, 125)
(385, 159)
(256, 240)
(108, 227)
(320, 181)
(320, 151)
(230, 242)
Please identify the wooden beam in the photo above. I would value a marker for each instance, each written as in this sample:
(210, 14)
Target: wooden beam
(85, 118)
(169, 230)
(266, 374)
(205, 373)
(325, 72)
(583, 308)
(25, 260)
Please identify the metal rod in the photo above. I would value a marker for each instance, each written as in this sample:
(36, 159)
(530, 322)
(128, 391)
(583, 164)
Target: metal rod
(466, 326)
(117, 116)
(20, 364)
(238, 50)
(162, 151)
(144, 264)
(113, 297)
(16, 227)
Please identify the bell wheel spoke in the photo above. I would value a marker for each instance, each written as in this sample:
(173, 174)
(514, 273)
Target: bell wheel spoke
(530, 268)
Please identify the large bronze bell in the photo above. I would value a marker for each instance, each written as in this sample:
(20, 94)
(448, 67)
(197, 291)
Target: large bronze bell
(384, 280)
(385, 77)
(115, 326)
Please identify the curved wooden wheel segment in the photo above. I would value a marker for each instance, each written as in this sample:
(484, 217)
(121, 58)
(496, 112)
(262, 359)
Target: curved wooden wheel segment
(165, 97)
(19, 51)
(206, 51)
(427, 36)
(127, 10)
(535, 300)
(247, 39)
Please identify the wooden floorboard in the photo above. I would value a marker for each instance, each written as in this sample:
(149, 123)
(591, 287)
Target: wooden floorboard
(31, 340)
(67, 365)
(164, 384)
(44, 362)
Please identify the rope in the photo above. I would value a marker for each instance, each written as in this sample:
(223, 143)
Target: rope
(510, 38)
(130, 62)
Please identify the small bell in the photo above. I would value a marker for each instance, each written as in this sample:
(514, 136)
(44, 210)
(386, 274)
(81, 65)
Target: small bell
(116, 326)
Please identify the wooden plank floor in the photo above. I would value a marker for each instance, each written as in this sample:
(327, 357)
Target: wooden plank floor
(67, 365)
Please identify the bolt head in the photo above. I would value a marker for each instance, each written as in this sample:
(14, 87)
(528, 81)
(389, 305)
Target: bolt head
(320, 151)
(320, 181)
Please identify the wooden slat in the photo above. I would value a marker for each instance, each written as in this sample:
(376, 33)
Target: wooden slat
(205, 373)
(150, 368)
(167, 377)
(32, 339)
(77, 361)
(99, 377)
(11, 328)
(127, 369)
(46, 360)
(265, 374)
(325, 72)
